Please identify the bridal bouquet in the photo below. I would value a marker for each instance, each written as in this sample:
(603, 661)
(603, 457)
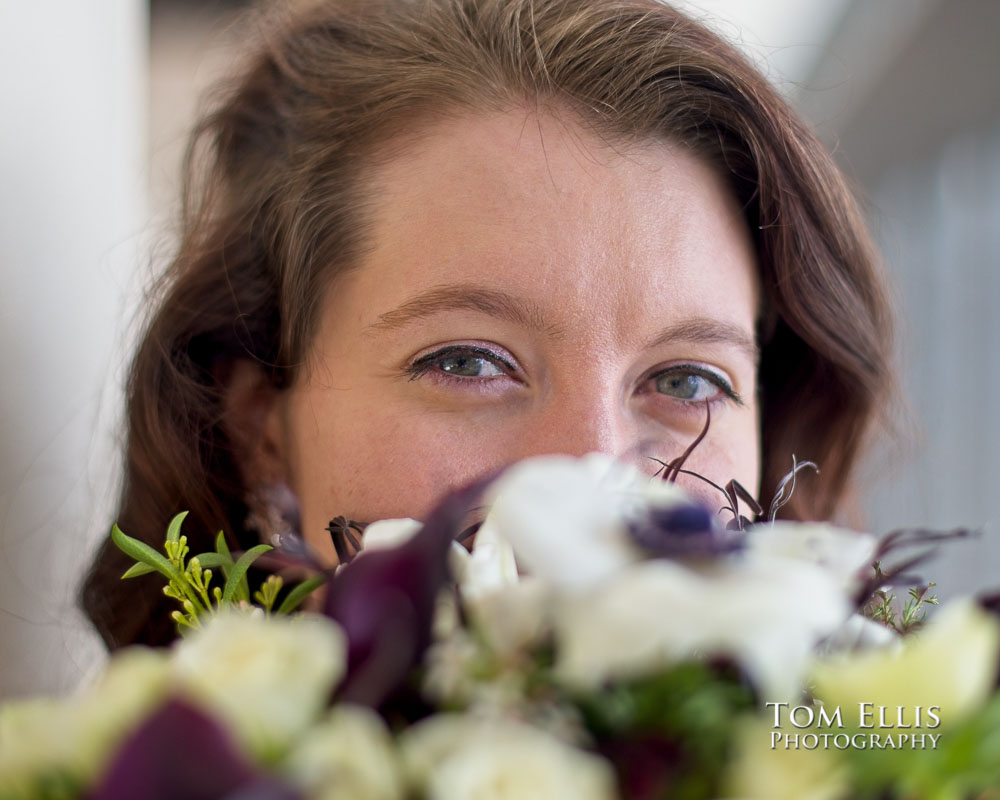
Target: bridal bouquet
(604, 636)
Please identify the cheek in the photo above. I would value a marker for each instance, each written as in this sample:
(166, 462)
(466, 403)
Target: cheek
(729, 452)
(367, 461)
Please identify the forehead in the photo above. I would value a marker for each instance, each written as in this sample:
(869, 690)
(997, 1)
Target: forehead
(535, 204)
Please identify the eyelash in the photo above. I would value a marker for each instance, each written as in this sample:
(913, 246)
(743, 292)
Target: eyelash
(423, 365)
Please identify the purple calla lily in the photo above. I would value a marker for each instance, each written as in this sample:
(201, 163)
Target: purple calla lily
(384, 601)
(180, 753)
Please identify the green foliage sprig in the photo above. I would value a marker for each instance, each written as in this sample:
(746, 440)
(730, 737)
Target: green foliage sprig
(885, 608)
(189, 580)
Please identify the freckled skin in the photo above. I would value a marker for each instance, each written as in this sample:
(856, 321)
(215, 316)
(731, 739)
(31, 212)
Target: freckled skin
(609, 247)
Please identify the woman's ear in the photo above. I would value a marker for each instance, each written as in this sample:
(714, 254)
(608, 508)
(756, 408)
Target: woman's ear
(252, 422)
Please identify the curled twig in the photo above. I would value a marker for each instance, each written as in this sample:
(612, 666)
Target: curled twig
(788, 482)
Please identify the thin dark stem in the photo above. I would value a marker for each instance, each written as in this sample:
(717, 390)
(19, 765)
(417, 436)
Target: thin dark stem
(345, 542)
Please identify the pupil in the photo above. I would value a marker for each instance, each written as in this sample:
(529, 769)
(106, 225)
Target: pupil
(461, 365)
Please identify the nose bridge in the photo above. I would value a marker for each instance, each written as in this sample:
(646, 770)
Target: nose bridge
(578, 420)
(581, 427)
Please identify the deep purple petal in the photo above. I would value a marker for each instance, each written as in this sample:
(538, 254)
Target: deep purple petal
(647, 764)
(180, 753)
(384, 601)
(265, 788)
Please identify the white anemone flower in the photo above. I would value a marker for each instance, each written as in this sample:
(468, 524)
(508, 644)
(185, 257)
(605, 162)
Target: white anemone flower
(859, 633)
(565, 517)
(618, 614)
(765, 613)
(841, 552)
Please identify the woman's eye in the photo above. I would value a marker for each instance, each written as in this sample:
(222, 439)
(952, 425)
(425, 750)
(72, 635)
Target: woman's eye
(692, 384)
(467, 366)
(461, 362)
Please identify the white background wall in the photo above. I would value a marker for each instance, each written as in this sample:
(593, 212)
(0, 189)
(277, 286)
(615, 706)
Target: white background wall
(72, 208)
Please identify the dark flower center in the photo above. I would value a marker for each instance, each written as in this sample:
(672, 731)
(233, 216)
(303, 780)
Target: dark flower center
(684, 530)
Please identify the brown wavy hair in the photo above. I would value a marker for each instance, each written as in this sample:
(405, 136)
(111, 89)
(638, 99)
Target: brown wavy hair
(275, 184)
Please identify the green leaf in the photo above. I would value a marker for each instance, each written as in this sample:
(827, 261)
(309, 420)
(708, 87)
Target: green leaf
(295, 597)
(690, 705)
(220, 545)
(174, 528)
(144, 554)
(237, 575)
(138, 569)
(223, 550)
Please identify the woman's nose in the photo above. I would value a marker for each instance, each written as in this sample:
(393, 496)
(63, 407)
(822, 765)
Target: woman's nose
(575, 424)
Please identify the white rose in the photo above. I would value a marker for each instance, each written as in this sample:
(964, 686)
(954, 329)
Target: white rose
(766, 613)
(76, 736)
(456, 757)
(267, 677)
(39, 737)
(490, 566)
(136, 680)
(565, 517)
(349, 754)
(451, 665)
(514, 617)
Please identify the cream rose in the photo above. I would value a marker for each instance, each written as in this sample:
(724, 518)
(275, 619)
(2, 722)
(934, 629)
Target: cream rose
(761, 772)
(349, 754)
(266, 677)
(456, 757)
(75, 737)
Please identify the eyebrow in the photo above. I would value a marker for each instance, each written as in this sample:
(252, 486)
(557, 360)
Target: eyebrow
(524, 313)
(466, 297)
(705, 330)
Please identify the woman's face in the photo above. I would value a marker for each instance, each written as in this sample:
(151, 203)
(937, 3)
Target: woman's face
(528, 288)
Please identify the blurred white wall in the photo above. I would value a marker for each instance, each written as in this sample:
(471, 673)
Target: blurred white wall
(72, 206)
(784, 38)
